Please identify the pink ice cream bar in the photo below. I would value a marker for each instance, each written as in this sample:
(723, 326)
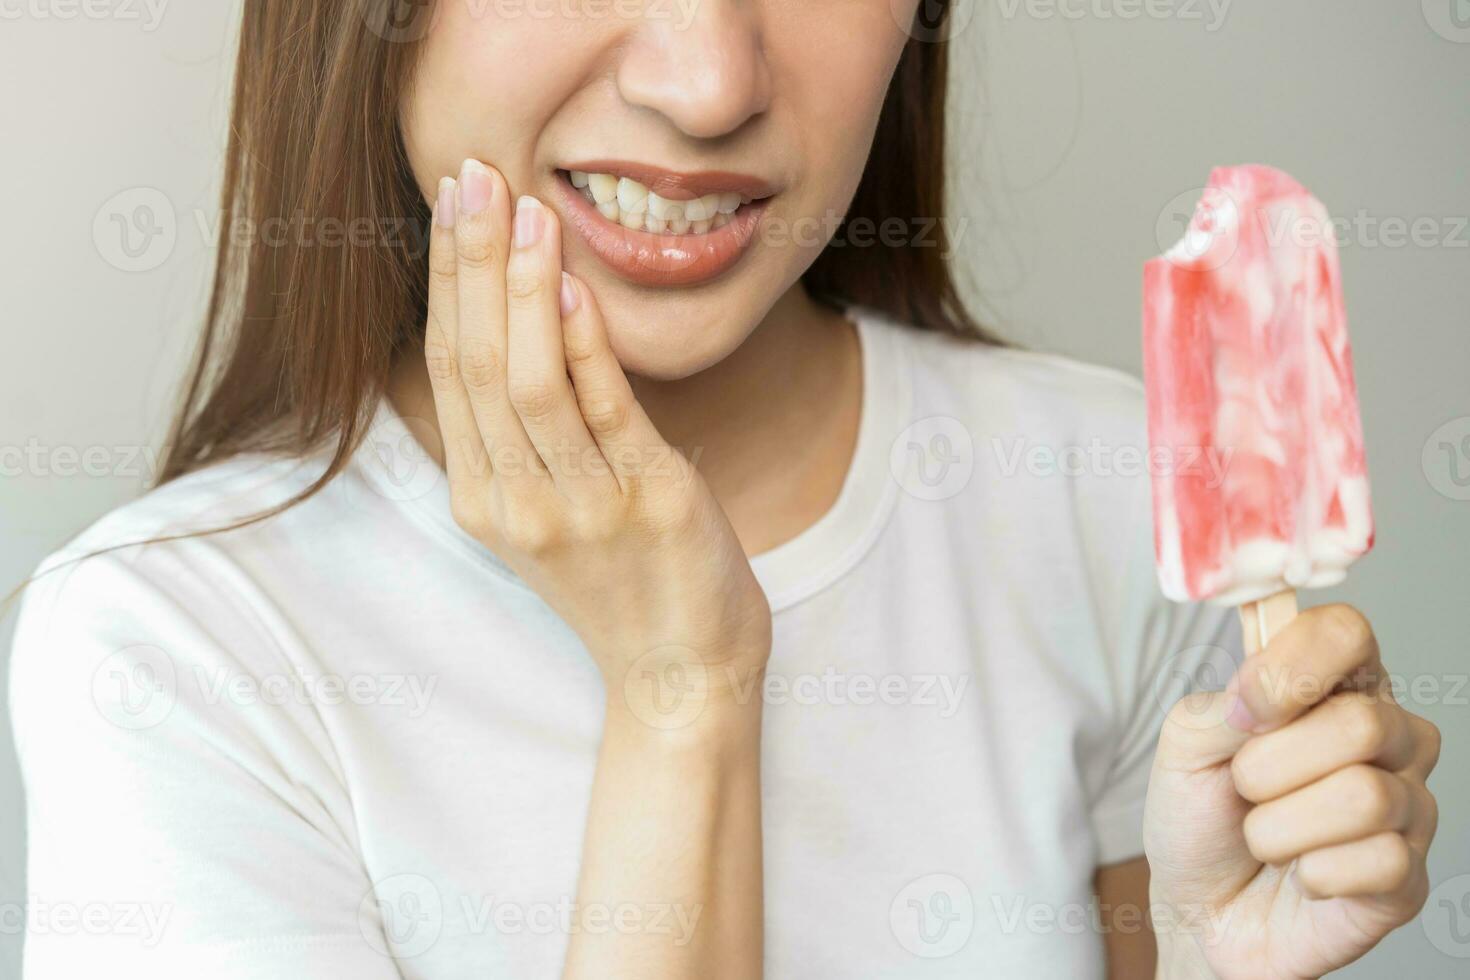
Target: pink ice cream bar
(1260, 481)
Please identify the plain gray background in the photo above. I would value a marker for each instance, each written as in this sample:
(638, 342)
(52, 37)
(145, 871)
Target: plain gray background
(1084, 129)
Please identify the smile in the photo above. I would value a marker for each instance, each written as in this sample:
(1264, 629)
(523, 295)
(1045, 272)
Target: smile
(658, 228)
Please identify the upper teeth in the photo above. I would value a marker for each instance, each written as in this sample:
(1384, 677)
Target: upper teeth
(633, 205)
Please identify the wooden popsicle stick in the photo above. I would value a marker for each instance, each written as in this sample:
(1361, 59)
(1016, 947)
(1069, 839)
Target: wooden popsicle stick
(1264, 618)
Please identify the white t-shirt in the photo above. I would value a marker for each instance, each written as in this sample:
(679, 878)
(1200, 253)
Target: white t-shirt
(348, 743)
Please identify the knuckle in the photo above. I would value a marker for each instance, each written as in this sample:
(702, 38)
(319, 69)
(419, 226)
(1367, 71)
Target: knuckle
(604, 416)
(1370, 794)
(443, 276)
(1345, 627)
(531, 533)
(1251, 782)
(1394, 860)
(477, 251)
(1431, 740)
(659, 515)
(1364, 727)
(580, 349)
(467, 514)
(534, 400)
(1314, 874)
(1259, 830)
(523, 285)
(1429, 811)
(482, 366)
(595, 523)
(440, 359)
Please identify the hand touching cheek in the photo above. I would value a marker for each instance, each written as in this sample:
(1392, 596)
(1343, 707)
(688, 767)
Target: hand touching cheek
(554, 465)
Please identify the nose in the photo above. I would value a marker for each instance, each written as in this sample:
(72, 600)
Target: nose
(701, 65)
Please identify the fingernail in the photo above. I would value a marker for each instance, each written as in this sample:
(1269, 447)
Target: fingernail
(444, 209)
(1239, 716)
(528, 224)
(569, 296)
(475, 187)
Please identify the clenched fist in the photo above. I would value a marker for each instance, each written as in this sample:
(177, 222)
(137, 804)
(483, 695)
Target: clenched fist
(1288, 817)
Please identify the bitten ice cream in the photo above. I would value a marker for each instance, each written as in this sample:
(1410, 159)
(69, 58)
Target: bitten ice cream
(1247, 361)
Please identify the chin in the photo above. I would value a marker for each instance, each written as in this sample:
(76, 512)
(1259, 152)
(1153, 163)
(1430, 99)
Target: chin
(665, 333)
(673, 338)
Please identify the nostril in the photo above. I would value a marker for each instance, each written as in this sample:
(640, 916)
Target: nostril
(706, 86)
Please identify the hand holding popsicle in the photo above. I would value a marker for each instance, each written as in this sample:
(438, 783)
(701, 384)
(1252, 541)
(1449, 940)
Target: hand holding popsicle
(1288, 815)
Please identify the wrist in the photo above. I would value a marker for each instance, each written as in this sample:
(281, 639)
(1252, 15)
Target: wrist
(1181, 961)
(678, 714)
(1180, 954)
(686, 692)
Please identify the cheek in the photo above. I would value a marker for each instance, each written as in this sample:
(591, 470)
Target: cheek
(474, 91)
(835, 59)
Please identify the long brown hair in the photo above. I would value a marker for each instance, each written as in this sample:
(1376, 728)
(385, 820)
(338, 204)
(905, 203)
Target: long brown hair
(299, 339)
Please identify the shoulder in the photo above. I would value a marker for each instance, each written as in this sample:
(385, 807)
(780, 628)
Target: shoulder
(998, 387)
(1060, 448)
(145, 576)
(209, 498)
(1051, 445)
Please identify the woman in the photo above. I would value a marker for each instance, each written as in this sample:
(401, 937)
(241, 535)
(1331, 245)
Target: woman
(483, 678)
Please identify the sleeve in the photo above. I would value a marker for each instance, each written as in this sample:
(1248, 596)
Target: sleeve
(175, 828)
(1161, 651)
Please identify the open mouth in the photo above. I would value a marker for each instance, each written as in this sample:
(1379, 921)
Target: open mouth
(632, 204)
(657, 228)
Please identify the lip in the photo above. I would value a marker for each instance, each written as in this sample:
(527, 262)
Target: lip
(646, 259)
(677, 186)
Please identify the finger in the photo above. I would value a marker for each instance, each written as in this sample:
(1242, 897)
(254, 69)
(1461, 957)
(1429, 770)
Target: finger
(536, 373)
(1323, 650)
(464, 451)
(1349, 727)
(1427, 739)
(482, 240)
(1348, 805)
(1424, 821)
(1383, 864)
(1195, 736)
(611, 412)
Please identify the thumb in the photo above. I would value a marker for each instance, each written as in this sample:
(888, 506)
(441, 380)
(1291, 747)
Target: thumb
(1198, 732)
(1194, 819)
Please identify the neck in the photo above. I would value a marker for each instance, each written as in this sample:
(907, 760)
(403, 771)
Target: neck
(771, 427)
